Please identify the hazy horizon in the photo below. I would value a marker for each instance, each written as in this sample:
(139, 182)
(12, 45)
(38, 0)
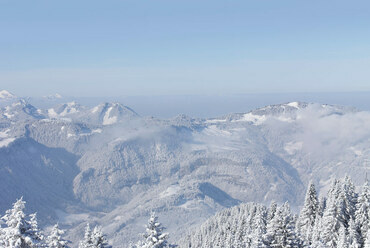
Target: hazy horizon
(206, 106)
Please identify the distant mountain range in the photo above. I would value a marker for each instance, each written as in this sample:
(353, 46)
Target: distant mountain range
(108, 165)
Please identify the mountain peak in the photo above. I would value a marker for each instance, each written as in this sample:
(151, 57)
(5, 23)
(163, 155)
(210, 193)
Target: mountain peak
(4, 94)
(54, 96)
(112, 113)
(293, 104)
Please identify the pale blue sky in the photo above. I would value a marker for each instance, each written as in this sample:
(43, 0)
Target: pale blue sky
(120, 48)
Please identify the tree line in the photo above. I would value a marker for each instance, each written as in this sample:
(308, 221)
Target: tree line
(21, 231)
(340, 220)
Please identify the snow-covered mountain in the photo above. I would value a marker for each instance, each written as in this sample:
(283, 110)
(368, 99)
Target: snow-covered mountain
(20, 111)
(110, 113)
(66, 110)
(53, 97)
(109, 165)
(4, 95)
(7, 98)
(102, 114)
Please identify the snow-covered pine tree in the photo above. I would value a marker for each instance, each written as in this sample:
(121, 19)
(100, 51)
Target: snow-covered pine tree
(98, 238)
(229, 239)
(1, 235)
(271, 211)
(272, 228)
(330, 224)
(342, 209)
(248, 216)
(317, 244)
(316, 233)
(290, 236)
(34, 232)
(316, 239)
(367, 240)
(55, 240)
(154, 236)
(322, 206)
(333, 192)
(19, 232)
(342, 239)
(351, 197)
(87, 241)
(353, 235)
(259, 228)
(346, 201)
(306, 219)
(281, 231)
(362, 215)
(239, 233)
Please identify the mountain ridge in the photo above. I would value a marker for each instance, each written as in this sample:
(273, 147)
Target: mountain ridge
(184, 166)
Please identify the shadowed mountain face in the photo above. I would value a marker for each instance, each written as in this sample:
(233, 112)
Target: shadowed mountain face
(110, 166)
(42, 175)
(217, 195)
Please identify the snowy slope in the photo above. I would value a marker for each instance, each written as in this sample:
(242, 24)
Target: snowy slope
(41, 174)
(110, 166)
